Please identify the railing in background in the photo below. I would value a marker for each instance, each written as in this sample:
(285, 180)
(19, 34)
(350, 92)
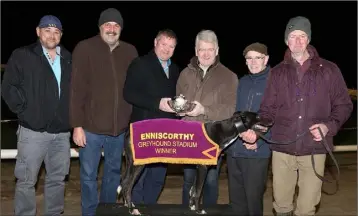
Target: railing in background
(11, 153)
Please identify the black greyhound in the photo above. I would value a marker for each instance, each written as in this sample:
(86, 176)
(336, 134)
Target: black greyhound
(224, 133)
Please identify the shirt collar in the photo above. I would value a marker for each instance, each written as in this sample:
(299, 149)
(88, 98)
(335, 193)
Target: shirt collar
(169, 62)
(58, 50)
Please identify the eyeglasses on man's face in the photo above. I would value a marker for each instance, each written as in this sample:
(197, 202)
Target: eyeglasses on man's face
(251, 58)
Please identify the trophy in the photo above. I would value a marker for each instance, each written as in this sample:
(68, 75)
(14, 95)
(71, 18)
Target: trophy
(181, 105)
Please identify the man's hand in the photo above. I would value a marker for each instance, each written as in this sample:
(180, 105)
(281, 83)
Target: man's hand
(250, 146)
(164, 106)
(249, 136)
(198, 109)
(315, 133)
(181, 114)
(79, 136)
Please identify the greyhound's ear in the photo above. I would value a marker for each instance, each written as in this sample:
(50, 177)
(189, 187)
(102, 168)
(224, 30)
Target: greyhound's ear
(258, 117)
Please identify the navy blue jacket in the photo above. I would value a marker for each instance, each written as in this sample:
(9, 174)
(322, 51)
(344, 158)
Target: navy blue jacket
(249, 96)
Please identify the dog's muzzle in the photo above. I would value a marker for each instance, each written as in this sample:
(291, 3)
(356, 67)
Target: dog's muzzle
(246, 120)
(240, 126)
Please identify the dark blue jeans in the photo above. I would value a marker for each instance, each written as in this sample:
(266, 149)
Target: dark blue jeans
(211, 185)
(149, 184)
(90, 156)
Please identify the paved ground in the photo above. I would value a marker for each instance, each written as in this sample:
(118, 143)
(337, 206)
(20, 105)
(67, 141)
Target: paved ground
(342, 203)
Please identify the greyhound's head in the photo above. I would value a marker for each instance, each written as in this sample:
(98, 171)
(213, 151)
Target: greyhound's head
(248, 120)
(226, 131)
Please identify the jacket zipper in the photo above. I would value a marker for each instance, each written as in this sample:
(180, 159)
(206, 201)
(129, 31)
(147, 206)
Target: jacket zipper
(115, 108)
(248, 107)
(250, 99)
(57, 93)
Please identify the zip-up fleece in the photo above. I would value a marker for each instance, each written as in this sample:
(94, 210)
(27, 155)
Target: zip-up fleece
(249, 96)
(96, 101)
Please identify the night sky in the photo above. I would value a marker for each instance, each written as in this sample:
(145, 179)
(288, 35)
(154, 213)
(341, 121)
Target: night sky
(237, 24)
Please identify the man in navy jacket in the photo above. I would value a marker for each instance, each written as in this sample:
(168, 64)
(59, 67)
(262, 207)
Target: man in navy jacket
(248, 162)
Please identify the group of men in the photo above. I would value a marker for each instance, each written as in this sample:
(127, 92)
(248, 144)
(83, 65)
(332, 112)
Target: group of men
(104, 85)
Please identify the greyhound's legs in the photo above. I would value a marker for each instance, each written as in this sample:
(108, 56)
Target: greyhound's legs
(125, 179)
(129, 165)
(196, 192)
(134, 173)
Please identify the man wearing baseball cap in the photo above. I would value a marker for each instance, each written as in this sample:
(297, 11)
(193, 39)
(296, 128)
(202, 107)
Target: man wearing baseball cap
(36, 87)
(98, 112)
(305, 92)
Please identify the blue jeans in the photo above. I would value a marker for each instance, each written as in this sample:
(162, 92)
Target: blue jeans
(149, 184)
(211, 185)
(90, 156)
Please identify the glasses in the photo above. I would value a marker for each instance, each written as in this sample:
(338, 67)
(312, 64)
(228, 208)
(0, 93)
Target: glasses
(207, 50)
(254, 58)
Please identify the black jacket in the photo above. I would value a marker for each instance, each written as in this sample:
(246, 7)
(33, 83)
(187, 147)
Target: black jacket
(30, 89)
(146, 83)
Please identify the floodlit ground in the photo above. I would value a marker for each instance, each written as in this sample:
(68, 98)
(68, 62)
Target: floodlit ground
(342, 203)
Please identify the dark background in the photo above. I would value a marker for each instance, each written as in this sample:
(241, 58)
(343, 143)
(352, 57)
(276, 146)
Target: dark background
(237, 24)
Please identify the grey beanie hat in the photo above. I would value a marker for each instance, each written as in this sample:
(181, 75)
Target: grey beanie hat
(298, 23)
(110, 15)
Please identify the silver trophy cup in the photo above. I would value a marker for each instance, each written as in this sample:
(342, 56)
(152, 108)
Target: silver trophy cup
(181, 105)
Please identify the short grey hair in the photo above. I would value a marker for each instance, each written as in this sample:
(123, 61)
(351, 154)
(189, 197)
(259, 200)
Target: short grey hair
(208, 36)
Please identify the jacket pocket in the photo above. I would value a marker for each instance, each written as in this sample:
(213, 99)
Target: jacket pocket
(20, 100)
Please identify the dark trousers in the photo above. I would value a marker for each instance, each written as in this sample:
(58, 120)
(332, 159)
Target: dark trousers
(211, 184)
(247, 183)
(149, 184)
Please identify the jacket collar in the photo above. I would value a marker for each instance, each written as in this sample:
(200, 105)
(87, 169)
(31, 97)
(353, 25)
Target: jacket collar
(194, 63)
(38, 49)
(316, 62)
(152, 55)
(103, 45)
(261, 74)
(314, 56)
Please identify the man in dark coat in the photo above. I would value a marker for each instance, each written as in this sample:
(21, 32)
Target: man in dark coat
(36, 87)
(304, 92)
(150, 84)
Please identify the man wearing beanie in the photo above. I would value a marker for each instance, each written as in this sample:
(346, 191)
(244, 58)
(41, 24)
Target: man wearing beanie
(36, 87)
(248, 162)
(98, 112)
(304, 92)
